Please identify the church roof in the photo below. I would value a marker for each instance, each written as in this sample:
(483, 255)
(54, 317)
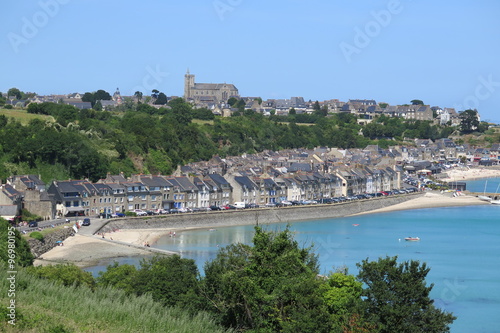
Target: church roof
(209, 86)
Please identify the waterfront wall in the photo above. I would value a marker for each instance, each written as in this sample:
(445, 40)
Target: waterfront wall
(49, 242)
(216, 219)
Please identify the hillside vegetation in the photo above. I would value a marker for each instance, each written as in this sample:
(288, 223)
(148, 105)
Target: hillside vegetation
(47, 306)
(140, 138)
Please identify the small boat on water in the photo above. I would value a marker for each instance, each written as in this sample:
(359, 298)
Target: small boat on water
(495, 202)
(412, 239)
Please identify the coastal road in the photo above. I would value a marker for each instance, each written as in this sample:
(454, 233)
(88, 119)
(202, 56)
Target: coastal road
(95, 224)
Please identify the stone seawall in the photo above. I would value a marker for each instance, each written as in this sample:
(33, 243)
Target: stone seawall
(49, 242)
(216, 219)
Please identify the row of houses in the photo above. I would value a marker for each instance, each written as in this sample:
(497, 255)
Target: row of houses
(116, 193)
(266, 177)
(362, 108)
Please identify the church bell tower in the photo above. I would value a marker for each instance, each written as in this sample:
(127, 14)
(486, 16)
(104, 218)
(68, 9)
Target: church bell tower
(188, 85)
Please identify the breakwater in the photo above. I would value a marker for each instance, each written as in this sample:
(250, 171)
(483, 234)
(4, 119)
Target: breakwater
(214, 219)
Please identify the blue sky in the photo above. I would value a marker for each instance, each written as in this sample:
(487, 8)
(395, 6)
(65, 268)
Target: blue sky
(442, 52)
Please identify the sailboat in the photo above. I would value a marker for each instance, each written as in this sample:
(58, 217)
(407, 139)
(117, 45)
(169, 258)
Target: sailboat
(496, 202)
(484, 197)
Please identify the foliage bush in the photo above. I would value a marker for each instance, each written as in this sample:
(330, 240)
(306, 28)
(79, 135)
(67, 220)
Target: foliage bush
(37, 235)
(130, 214)
(48, 306)
(28, 216)
(23, 255)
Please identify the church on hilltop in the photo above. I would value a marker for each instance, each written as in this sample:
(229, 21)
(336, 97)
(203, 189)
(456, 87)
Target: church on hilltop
(208, 93)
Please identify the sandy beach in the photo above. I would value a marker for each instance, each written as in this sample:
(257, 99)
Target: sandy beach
(86, 251)
(432, 200)
(465, 173)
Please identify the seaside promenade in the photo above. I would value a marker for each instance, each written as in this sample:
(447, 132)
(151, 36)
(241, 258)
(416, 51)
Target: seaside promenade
(126, 237)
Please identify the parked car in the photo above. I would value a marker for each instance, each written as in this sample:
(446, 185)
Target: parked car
(239, 205)
(213, 207)
(140, 212)
(115, 215)
(33, 224)
(86, 222)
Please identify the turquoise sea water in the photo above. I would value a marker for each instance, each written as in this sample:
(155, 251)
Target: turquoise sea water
(490, 184)
(461, 245)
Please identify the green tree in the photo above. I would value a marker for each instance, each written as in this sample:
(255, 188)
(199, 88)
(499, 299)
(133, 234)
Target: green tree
(181, 111)
(316, 107)
(416, 102)
(171, 280)
(232, 101)
(15, 93)
(397, 297)
(118, 276)
(270, 287)
(13, 246)
(203, 113)
(102, 95)
(138, 96)
(98, 106)
(155, 93)
(161, 99)
(342, 294)
(66, 274)
(3, 120)
(468, 121)
(88, 97)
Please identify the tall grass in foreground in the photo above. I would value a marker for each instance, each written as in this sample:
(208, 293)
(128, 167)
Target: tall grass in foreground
(45, 306)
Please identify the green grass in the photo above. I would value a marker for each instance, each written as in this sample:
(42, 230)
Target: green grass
(45, 306)
(23, 116)
(202, 122)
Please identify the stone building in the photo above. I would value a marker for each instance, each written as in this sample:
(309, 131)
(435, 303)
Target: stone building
(208, 93)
